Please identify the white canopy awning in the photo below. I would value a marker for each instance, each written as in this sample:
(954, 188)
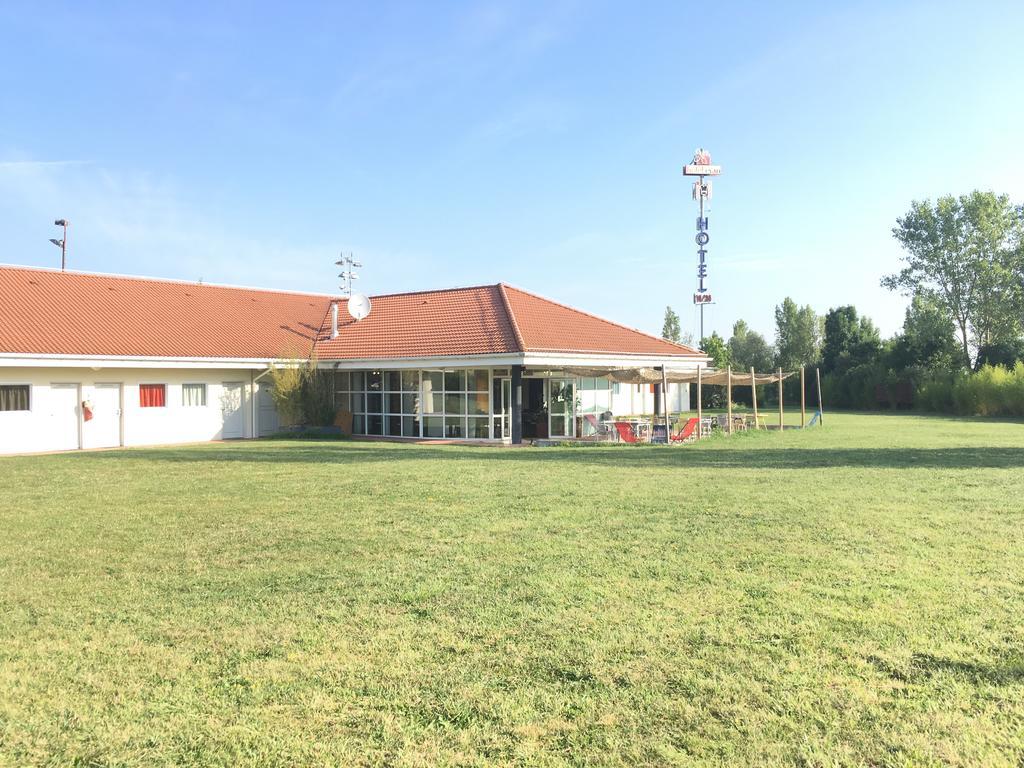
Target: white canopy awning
(673, 376)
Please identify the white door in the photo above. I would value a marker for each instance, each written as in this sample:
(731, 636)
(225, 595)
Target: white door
(103, 430)
(269, 422)
(232, 407)
(63, 432)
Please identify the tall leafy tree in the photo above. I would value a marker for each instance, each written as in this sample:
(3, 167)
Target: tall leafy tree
(714, 346)
(849, 340)
(748, 349)
(928, 339)
(965, 253)
(797, 335)
(670, 329)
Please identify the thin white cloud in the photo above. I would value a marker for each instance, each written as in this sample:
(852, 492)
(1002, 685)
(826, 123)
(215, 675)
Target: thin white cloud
(30, 164)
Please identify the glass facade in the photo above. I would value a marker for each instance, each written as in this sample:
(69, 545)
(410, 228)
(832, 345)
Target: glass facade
(453, 403)
(595, 398)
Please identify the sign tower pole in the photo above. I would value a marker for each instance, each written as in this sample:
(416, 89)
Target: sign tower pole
(701, 167)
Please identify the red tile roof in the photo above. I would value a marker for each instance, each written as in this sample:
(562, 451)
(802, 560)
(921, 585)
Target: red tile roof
(547, 326)
(459, 321)
(72, 313)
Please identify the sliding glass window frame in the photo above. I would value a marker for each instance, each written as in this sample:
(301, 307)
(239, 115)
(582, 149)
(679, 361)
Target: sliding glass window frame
(440, 403)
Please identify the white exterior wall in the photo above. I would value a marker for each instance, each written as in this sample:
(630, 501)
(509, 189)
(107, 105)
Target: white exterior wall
(48, 424)
(635, 399)
(629, 400)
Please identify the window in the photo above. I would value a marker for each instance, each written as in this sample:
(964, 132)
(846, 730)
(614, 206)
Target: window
(411, 403)
(152, 395)
(382, 402)
(402, 403)
(193, 395)
(14, 397)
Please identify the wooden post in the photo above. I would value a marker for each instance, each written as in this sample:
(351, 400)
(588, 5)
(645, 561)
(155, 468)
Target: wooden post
(664, 400)
(700, 421)
(728, 396)
(753, 395)
(803, 414)
(821, 413)
(781, 426)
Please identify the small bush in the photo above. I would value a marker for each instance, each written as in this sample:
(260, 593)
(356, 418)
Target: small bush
(302, 393)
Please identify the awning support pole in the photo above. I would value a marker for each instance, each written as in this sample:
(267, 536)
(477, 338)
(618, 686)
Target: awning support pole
(821, 413)
(781, 427)
(728, 396)
(753, 396)
(700, 396)
(803, 413)
(664, 400)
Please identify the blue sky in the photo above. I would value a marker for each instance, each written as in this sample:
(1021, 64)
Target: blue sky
(536, 143)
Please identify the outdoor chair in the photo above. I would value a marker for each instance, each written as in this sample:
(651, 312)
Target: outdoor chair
(687, 433)
(626, 433)
(600, 430)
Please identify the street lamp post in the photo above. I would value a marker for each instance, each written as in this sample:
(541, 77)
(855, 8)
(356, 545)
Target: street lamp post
(62, 243)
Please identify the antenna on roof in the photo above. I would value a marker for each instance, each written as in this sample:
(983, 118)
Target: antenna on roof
(348, 266)
(358, 304)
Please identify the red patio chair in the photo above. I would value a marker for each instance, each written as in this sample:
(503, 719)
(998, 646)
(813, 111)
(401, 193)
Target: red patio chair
(686, 433)
(626, 433)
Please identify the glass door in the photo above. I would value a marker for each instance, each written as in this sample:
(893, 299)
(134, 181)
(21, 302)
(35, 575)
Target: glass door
(561, 407)
(502, 399)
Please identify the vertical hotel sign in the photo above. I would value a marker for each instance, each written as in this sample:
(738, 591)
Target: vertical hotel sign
(702, 168)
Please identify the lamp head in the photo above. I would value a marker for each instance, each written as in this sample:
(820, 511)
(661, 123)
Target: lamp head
(61, 222)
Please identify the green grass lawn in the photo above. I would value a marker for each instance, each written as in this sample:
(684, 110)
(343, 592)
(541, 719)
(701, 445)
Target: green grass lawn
(852, 595)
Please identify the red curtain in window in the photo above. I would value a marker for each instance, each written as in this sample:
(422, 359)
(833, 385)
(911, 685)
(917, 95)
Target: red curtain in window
(151, 395)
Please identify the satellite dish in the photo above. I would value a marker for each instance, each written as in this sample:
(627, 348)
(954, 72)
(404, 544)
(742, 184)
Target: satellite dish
(358, 306)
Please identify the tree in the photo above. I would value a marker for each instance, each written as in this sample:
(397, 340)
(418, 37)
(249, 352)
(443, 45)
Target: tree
(670, 329)
(797, 335)
(1004, 353)
(966, 253)
(748, 349)
(849, 341)
(302, 394)
(928, 339)
(714, 346)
